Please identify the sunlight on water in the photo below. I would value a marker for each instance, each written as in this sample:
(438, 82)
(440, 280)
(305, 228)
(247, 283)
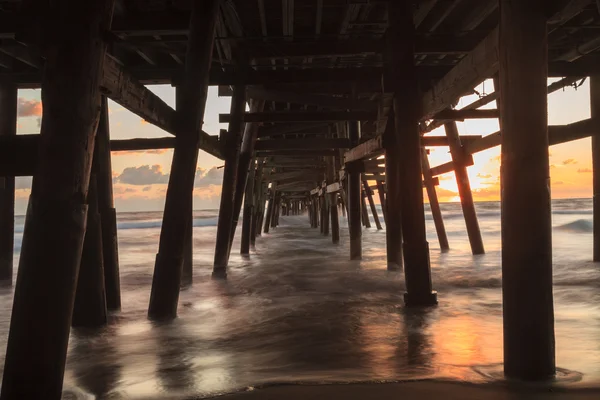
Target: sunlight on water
(298, 310)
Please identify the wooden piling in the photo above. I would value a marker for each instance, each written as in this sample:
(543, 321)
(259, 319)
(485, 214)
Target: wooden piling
(326, 213)
(270, 208)
(527, 297)
(393, 225)
(364, 212)
(227, 203)
(436, 211)
(169, 260)
(372, 205)
(464, 188)
(595, 110)
(8, 127)
(56, 217)
(354, 199)
(187, 272)
(248, 209)
(102, 167)
(333, 203)
(407, 112)
(257, 196)
(246, 155)
(381, 192)
(89, 309)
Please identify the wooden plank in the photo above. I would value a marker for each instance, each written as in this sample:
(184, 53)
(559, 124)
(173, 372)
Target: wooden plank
(302, 144)
(364, 150)
(121, 87)
(334, 187)
(466, 113)
(301, 153)
(304, 116)
(431, 141)
(299, 128)
(449, 166)
(479, 65)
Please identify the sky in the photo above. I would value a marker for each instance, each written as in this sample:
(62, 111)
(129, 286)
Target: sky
(140, 177)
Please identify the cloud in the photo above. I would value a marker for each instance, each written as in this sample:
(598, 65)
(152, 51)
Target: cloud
(29, 108)
(484, 176)
(147, 189)
(570, 161)
(584, 171)
(559, 183)
(205, 178)
(143, 175)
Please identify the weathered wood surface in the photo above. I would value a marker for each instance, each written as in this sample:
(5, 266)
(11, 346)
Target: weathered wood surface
(528, 309)
(302, 144)
(8, 128)
(477, 66)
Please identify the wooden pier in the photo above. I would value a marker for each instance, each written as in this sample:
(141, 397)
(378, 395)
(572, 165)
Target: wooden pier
(342, 98)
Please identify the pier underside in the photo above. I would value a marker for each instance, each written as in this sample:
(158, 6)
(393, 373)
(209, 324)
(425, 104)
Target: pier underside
(342, 98)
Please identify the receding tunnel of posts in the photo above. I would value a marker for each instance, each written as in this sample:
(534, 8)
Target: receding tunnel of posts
(321, 135)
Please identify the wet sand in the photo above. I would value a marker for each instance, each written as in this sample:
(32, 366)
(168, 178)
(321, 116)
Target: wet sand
(413, 390)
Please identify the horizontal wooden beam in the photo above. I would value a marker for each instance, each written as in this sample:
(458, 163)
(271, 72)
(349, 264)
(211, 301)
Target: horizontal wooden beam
(462, 114)
(304, 116)
(297, 76)
(449, 166)
(334, 103)
(477, 66)
(333, 187)
(280, 176)
(125, 90)
(302, 144)
(369, 148)
(433, 141)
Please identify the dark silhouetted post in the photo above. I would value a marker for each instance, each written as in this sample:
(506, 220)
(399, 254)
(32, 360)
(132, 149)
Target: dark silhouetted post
(227, 204)
(354, 199)
(56, 217)
(166, 281)
(369, 194)
(527, 297)
(89, 309)
(436, 211)
(407, 112)
(464, 188)
(248, 210)
(8, 127)
(381, 193)
(102, 167)
(393, 227)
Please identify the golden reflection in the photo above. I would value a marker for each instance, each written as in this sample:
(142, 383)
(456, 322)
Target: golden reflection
(457, 341)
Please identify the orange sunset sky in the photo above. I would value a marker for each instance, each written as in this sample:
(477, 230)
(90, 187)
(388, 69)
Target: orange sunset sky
(140, 178)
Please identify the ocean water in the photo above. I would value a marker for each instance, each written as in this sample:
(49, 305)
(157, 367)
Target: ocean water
(298, 311)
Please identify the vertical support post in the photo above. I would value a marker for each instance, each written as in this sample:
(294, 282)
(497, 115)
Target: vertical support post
(102, 167)
(326, 212)
(381, 192)
(372, 205)
(393, 201)
(246, 154)
(248, 209)
(436, 211)
(257, 194)
(8, 127)
(166, 281)
(89, 309)
(230, 175)
(407, 112)
(354, 199)
(333, 203)
(187, 272)
(270, 208)
(527, 297)
(56, 217)
(595, 109)
(364, 212)
(464, 188)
